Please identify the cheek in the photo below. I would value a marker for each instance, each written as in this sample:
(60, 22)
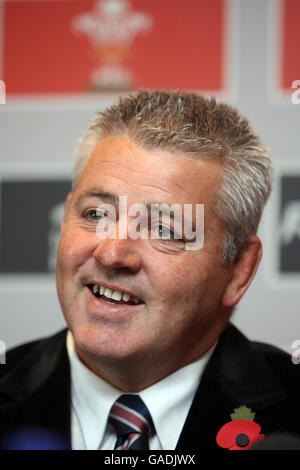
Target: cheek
(181, 283)
(73, 250)
(194, 282)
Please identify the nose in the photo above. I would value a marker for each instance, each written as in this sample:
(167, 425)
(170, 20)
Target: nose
(118, 253)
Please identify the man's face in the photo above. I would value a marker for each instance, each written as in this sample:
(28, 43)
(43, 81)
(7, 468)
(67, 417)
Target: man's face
(180, 290)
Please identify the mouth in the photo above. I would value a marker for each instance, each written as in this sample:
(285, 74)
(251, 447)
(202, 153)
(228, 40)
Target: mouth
(113, 296)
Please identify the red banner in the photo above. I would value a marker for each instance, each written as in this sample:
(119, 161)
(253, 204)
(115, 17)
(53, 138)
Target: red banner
(89, 45)
(290, 61)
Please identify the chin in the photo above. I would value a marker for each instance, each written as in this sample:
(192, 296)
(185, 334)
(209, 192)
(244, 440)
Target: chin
(98, 345)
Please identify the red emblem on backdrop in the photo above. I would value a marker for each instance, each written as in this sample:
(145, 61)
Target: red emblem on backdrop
(112, 28)
(62, 46)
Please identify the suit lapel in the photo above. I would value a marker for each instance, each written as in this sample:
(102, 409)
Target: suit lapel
(236, 374)
(37, 391)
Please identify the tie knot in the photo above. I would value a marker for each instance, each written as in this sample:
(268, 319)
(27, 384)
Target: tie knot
(129, 414)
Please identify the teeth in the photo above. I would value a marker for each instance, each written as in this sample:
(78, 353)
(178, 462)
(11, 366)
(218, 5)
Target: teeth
(102, 290)
(114, 294)
(108, 293)
(95, 289)
(126, 297)
(117, 295)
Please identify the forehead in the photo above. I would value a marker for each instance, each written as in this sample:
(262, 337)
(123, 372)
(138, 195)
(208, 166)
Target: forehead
(120, 165)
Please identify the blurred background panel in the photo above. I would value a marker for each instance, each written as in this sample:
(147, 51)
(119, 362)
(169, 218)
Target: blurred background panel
(62, 61)
(112, 45)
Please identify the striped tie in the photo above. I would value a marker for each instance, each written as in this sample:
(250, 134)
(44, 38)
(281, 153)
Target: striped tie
(132, 422)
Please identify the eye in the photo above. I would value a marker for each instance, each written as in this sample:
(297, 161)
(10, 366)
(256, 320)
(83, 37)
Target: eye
(95, 214)
(165, 233)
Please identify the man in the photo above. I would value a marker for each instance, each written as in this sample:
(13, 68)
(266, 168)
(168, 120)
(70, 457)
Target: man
(149, 357)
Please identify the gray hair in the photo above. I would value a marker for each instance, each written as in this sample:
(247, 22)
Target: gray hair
(193, 125)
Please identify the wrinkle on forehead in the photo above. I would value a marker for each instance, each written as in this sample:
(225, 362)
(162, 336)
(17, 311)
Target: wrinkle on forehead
(151, 163)
(117, 164)
(132, 183)
(174, 182)
(151, 176)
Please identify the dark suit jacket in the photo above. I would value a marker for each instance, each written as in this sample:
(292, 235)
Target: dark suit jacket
(35, 389)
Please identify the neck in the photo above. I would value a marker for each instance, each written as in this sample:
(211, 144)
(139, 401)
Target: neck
(134, 374)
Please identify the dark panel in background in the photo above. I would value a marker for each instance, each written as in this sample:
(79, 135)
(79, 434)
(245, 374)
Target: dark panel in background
(31, 213)
(290, 224)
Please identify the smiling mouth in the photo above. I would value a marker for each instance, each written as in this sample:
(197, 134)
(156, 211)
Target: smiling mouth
(113, 296)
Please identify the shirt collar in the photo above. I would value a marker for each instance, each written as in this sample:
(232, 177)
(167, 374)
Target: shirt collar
(168, 400)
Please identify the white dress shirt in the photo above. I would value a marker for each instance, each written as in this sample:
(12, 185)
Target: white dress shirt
(168, 402)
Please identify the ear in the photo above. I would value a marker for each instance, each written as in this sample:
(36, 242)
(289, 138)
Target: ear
(66, 208)
(243, 272)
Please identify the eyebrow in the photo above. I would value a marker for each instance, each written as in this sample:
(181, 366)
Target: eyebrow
(111, 197)
(100, 194)
(161, 210)
(114, 199)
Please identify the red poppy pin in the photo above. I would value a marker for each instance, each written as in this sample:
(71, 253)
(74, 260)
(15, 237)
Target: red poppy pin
(240, 433)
